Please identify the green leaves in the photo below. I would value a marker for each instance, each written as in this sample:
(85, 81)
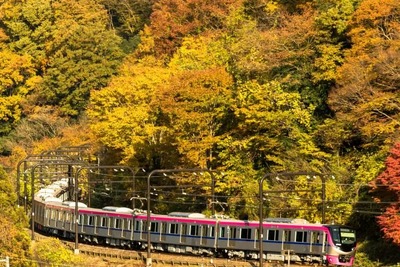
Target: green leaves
(14, 241)
(273, 122)
(69, 45)
(17, 80)
(125, 114)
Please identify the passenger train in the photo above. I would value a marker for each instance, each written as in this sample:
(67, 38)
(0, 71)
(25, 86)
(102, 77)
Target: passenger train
(193, 233)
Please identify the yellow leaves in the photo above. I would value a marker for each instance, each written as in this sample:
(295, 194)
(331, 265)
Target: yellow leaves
(10, 109)
(14, 70)
(271, 7)
(195, 101)
(146, 46)
(123, 115)
(269, 104)
(197, 53)
(327, 63)
(52, 252)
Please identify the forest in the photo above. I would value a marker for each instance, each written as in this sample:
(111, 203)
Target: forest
(242, 87)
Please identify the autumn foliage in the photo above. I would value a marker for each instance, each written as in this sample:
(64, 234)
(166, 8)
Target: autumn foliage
(172, 20)
(387, 188)
(245, 87)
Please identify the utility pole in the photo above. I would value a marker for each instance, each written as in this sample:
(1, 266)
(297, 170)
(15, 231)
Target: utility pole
(6, 260)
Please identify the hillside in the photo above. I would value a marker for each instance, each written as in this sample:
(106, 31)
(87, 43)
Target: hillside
(245, 88)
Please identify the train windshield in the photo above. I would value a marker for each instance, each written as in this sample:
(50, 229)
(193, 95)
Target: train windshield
(343, 237)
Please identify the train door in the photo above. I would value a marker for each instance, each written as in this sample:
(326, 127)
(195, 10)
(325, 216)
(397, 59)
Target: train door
(53, 218)
(91, 227)
(96, 224)
(140, 227)
(256, 243)
(286, 239)
(231, 236)
(68, 220)
(194, 233)
(61, 219)
(222, 237)
(126, 228)
(104, 226)
(65, 221)
(324, 242)
(203, 234)
(154, 227)
(183, 233)
(108, 225)
(81, 222)
(316, 242)
(174, 234)
(163, 231)
(244, 234)
(118, 228)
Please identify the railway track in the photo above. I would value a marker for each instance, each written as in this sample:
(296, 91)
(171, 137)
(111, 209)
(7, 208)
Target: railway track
(138, 258)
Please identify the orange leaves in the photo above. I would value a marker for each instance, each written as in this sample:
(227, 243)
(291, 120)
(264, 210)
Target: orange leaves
(366, 94)
(174, 19)
(390, 224)
(374, 24)
(387, 188)
(370, 12)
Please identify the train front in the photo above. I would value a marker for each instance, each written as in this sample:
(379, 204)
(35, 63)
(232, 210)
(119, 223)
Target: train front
(343, 247)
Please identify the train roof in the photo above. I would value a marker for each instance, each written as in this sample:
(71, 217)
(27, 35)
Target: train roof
(187, 215)
(71, 204)
(53, 199)
(286, 220)
(118, 209)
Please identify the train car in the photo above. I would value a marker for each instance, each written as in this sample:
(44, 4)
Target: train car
(194, 233)
(179, 233)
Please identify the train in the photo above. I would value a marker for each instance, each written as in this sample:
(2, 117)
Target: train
(192, 233)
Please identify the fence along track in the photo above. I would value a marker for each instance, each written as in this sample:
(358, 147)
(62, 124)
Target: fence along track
(158, 259)
(162, 259)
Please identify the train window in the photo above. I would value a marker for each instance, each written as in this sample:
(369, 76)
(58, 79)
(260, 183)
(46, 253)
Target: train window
(222, 231)
(194, 230)
(173, 228)
(46, 214)
(273, 235)
(245, 233)
(301, 236)
(154, 227)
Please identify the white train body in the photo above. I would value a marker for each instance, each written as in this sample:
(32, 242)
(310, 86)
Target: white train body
(193, 233)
